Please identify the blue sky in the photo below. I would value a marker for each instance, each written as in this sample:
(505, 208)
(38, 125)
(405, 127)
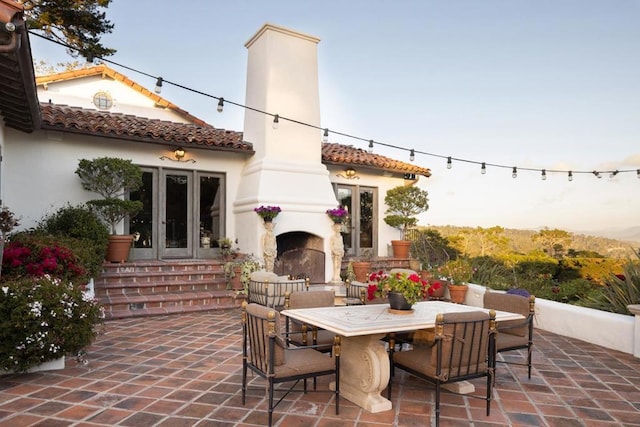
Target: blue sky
(544, 84)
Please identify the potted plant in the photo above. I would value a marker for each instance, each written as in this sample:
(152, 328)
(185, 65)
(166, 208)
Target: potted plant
(362, 265)
(112, 178)
(402, 290)
(238, 273)
(268, 213)
(459, 273)
(338, 215)
(403, 204)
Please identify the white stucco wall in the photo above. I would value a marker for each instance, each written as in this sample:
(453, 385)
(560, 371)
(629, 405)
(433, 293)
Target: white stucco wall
(41, 168)
(609, 330)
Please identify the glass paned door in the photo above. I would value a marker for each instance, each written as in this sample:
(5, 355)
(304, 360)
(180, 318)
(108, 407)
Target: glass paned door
(144, 225)
(210, 214)
(177, 214)
(359, 230)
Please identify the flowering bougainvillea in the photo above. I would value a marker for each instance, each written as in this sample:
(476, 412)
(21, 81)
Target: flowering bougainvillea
(32, 259)
(42, 319)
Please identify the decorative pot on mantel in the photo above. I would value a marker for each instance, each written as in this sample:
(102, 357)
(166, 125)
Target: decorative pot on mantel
(397, 301)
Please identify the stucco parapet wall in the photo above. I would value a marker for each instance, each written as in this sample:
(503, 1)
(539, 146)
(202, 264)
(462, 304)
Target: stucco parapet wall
(266, 27)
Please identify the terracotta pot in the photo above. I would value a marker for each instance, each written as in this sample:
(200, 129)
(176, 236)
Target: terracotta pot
(397, 301)
(118, 248)
(361, 269)
(458, 293)
(438, 293)
(401, 248)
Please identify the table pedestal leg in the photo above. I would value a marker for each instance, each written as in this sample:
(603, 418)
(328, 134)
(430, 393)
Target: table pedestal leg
(364, 372)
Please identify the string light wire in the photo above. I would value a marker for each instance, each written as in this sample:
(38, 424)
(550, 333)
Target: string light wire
(277, 117)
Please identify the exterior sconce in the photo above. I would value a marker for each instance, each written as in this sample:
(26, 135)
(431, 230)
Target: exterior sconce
(349, 174)
(178, 153)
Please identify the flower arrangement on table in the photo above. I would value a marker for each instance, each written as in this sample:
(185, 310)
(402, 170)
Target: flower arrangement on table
(338, 215)
(411, 286)
(268, 213)
(459, 271)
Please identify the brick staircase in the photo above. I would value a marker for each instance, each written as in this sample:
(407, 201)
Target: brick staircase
(149, 288)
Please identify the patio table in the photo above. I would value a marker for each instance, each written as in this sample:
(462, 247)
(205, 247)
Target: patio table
(364, 370)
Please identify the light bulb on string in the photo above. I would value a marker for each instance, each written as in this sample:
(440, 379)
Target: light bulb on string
(514, 172)
(370, 146)
(325, 135)
(614, 173)
(220, 105)
(597, 174)
(570, 176)
(449, 164)
(638, 173)
(276, 121)
(158, 88)
(412, 155)
(483, 168)
(544, 175)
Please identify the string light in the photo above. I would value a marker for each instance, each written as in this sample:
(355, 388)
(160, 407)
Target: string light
(483, 169)
(514, 173)
(325, 136)
(570, 176)
(412, 155)
(221, 101)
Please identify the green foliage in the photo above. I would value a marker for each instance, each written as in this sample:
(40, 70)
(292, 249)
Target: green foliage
(111, 178)
(78, 23)
(492, 273)
(459, 271)
(403, 204)
(42, 319)
(593, 269)
(619, 291)
(432, 249)
(82, 231)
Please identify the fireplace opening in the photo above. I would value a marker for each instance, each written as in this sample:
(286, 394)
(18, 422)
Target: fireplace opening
(301, 254)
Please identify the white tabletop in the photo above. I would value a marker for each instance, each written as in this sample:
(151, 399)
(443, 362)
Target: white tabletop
(354, 320)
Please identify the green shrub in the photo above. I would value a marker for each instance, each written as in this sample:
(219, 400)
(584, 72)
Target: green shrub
(619, 290)
(42, 319)
(82, 231)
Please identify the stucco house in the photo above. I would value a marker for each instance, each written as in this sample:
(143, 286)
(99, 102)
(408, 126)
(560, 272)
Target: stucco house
(201, 183)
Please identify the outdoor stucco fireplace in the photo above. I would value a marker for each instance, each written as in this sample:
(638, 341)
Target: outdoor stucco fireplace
(301, 253)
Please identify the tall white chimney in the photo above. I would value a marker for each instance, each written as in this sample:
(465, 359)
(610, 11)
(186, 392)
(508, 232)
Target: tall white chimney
(287, 169)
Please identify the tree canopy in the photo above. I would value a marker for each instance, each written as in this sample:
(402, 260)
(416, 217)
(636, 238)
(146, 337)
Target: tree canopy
(77, 23)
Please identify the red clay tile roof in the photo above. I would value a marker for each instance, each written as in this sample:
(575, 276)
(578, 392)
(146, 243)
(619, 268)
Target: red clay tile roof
(348, 155)
(134, 128)
(105, 71)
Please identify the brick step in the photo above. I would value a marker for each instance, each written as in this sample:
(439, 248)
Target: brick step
(152, 288)
(153, 266)
(168, 276)
(133, 305)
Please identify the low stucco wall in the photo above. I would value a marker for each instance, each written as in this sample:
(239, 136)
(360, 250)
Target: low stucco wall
(609, 330)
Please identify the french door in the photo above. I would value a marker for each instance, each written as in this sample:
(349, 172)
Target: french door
(360, 230)
(181, 217)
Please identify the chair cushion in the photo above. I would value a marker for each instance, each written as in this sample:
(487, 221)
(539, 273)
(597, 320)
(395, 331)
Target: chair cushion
(311, 299)
(504, 341)
(305, 361)
(263, 276)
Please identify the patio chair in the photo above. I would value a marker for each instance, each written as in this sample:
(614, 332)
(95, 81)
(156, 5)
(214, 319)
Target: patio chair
(301, 334)
(513, 334)
(268, 289)
(356, 293)
(265, 353)
(463, 349)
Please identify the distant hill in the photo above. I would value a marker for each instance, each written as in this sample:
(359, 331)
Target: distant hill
(631, 234)
(520, 241)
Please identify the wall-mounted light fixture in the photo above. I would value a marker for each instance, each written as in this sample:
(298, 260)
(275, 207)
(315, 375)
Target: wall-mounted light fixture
(178, 155)
(349, 174)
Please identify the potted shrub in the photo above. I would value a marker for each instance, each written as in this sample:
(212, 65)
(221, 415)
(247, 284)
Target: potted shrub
(112, 178)
(362, 265)
(459, 273)
(403, 204)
